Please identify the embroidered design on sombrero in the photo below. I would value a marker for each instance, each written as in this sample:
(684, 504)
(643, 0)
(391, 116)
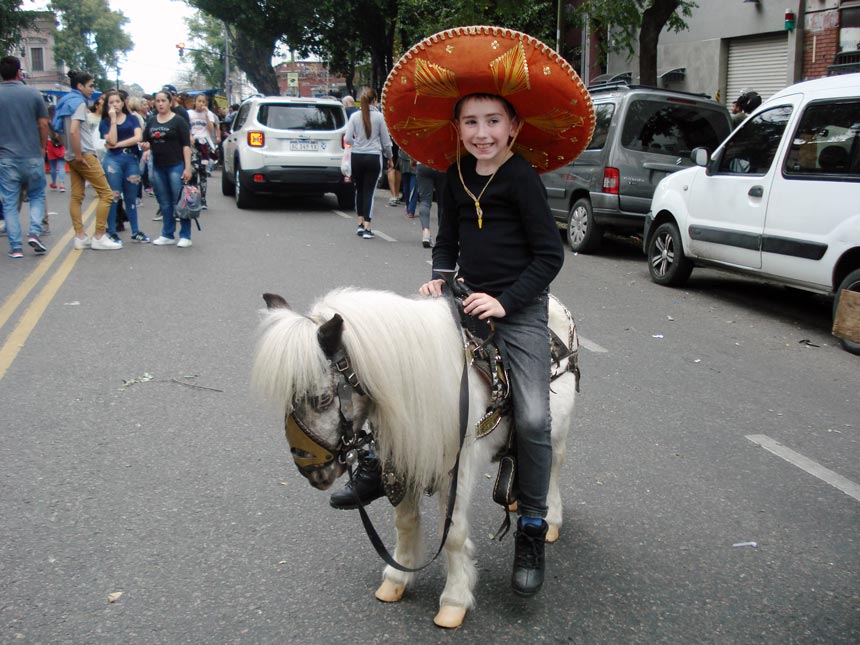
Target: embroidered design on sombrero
(537, 158)
(420, 127)
(434, 80)
(511, 71)
(555, 122)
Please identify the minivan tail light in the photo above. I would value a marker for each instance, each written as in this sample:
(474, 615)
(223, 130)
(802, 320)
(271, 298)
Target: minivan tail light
(256, 139)
(611, 181)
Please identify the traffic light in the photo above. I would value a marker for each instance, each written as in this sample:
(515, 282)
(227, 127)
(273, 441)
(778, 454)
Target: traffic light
(181, 48)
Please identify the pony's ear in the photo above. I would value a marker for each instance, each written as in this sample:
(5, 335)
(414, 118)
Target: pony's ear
(329, 335)
(274, 301)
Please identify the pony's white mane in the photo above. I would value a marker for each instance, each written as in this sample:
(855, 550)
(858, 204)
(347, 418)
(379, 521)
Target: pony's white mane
(289, 362)
(408, 357)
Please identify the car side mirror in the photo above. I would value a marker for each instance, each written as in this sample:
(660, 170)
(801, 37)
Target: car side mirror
(700, 156)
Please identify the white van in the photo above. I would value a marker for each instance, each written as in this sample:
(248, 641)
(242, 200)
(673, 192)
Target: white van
(779, 199)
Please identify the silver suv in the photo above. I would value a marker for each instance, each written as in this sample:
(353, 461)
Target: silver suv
(642, 135)
(281, 144)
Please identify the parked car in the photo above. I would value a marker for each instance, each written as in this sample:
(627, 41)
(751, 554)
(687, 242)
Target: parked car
(281, 144)
(779, 199)
(642, 134)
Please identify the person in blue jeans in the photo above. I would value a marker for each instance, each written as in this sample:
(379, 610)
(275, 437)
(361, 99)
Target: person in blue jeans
(121, 132)
(167, 137)
(22, 141)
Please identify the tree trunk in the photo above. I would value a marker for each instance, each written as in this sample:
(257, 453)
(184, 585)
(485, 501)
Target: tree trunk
(254, 59)
(654, 19)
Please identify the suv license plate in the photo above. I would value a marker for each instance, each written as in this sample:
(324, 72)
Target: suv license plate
(304, 146)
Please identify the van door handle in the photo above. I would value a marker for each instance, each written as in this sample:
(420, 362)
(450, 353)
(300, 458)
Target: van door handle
(756, 191)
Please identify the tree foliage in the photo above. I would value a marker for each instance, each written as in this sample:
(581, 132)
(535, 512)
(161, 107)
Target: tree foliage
(207, 39)
(358, 39)
(255, 29)
(639, 21)
(12, 21)
(91, 36)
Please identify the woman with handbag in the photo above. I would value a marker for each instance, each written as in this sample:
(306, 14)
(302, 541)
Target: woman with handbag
(367, 133)
(167, 138)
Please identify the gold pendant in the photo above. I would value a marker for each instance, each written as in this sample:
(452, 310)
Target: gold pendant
(480, 214)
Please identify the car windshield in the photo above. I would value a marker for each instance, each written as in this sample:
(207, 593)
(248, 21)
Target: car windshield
(662, 127)
(297, 116)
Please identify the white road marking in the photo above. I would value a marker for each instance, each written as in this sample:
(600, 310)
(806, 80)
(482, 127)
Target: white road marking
(592, 346)
(804, 463)
(344, 215)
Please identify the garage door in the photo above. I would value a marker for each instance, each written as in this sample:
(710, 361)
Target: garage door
(759, 64)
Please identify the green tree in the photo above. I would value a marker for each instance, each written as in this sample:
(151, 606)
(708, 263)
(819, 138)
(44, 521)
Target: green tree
(207, 39)
(12, 20)
(640, 21)
(91, 37)
(256, 28)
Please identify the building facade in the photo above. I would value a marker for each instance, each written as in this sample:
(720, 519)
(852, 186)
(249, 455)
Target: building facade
(308, 78)
(36, 51)
(763, 45)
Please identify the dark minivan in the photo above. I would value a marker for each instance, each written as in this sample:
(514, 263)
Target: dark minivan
(642, 134)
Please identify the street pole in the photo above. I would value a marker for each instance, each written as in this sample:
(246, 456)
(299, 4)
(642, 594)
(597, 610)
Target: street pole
(227, 65)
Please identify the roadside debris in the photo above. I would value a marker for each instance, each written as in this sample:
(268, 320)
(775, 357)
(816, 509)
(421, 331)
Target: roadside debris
(751, 544)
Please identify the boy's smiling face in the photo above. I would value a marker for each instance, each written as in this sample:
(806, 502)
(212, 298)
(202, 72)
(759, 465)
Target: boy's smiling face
(486, 129)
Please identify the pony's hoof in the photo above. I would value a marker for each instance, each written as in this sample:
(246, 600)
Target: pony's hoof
(513, 507)
(389, 591)
(450, 617)
(551, 533)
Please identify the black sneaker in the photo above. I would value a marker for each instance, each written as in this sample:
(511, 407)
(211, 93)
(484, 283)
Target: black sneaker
(527, 577)
(368, 234)
(366, 484)
(360, 230)
(115, 237)
(36, 243)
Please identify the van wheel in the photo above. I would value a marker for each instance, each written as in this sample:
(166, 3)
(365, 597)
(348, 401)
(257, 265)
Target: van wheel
(667, 263)
(244, 196)
(583, 233)
(850, 283)
(227, 187)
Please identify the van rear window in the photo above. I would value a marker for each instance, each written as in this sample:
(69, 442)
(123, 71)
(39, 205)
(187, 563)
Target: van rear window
(826, 141)
(665, 128)
(291, 116)
(603, 114)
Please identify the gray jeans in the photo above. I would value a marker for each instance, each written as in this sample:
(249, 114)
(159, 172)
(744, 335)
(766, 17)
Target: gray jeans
(428, 181)
(525, 338)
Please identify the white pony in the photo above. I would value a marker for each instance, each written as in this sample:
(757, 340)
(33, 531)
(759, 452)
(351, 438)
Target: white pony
(407, 355)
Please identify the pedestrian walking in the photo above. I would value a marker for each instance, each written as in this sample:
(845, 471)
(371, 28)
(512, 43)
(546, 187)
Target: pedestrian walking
(367, 133)
(167, 138)
(121, 132)
(70, 120)
(56, 154)
(23, 138)
(430, 182)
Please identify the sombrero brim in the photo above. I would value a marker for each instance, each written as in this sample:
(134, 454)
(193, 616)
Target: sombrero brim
(425, 84)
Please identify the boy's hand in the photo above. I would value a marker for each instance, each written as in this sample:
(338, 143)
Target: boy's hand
(432, 288)
(483, 306)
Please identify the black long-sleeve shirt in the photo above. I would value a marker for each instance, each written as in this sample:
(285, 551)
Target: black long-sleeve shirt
(518, 251)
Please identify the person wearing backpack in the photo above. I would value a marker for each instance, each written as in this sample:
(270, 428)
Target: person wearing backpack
(70, 120)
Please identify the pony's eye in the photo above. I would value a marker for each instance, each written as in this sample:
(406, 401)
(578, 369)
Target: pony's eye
(323, 400)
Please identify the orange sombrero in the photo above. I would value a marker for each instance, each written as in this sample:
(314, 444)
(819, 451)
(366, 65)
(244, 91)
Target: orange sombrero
(425, 84)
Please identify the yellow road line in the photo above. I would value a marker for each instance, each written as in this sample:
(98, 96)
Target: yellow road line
(16, 340)
(30, 282)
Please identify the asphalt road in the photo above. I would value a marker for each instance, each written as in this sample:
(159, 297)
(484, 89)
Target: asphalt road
(134, 458)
